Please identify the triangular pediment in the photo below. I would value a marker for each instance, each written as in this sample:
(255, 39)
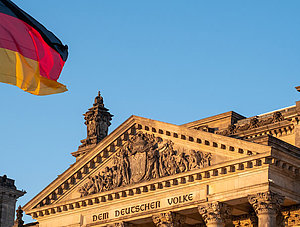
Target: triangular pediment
(138, 152)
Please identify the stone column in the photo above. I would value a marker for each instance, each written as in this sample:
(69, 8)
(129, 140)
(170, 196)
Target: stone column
(266, 206)
(215, 214)
(168, 219)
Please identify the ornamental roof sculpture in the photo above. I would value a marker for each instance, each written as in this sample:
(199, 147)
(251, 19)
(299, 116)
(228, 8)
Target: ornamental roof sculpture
(254, 122)
(97, 120)
(143, 155)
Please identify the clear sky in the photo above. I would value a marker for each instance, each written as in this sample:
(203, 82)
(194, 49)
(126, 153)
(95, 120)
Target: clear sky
(173, 61)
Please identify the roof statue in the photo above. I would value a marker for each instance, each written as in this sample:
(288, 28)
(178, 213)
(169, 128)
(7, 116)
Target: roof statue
(97, 120)
(19, 220)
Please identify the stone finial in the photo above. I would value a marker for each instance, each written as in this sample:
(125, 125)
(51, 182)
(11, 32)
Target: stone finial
(266, 202)
(215, 212)
(19, 221)
(97, 119)
(168, 219)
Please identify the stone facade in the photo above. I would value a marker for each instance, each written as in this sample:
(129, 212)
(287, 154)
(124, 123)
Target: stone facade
(225, 170)
(8, 198)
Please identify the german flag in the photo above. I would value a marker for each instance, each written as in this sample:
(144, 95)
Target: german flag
(31, 57)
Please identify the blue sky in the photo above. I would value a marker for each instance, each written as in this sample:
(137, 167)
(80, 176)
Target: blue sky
(173, 61)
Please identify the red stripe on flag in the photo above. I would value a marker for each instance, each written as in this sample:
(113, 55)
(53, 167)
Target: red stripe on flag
(16, 35)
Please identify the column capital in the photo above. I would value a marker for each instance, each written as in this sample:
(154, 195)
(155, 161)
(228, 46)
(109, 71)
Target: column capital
(215, 212)
(266, 202)
(168, 219)
(119, 224)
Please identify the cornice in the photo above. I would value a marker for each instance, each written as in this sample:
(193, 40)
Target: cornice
(196, 123)
(85, 165)
(80, 165)
(278, 128)
(11, 192)
(188, 178)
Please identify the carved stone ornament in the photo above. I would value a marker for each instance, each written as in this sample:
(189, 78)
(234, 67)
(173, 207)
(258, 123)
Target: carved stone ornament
(247, 220)
(215, 212)
(291, 216)
(266, 202)
(97, 119)
(254, 122)
(19, 221)
(142, 158)
(168, 219)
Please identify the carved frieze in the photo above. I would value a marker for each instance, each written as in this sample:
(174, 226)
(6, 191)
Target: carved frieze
(168, 219)
(254, 122)
(142, 158)
(266, 202)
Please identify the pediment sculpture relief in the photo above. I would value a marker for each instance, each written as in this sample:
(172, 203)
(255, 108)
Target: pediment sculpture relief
(253, 123)
(143, 158)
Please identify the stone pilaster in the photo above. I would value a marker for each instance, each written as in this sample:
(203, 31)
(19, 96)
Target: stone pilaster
(266, 206)
(168, 219)
(215, 214)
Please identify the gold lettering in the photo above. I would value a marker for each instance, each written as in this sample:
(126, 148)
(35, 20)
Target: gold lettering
(152, 205)
(122, 211)
(157, 204)
(132, 211)
(105, 215)
(147, 206)
(137, 208)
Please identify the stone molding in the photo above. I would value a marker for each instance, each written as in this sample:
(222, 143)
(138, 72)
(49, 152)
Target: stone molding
(190, 177)
(110, 144)
(51, 196)
(215, 212)
(266, 202)
(168, 219)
